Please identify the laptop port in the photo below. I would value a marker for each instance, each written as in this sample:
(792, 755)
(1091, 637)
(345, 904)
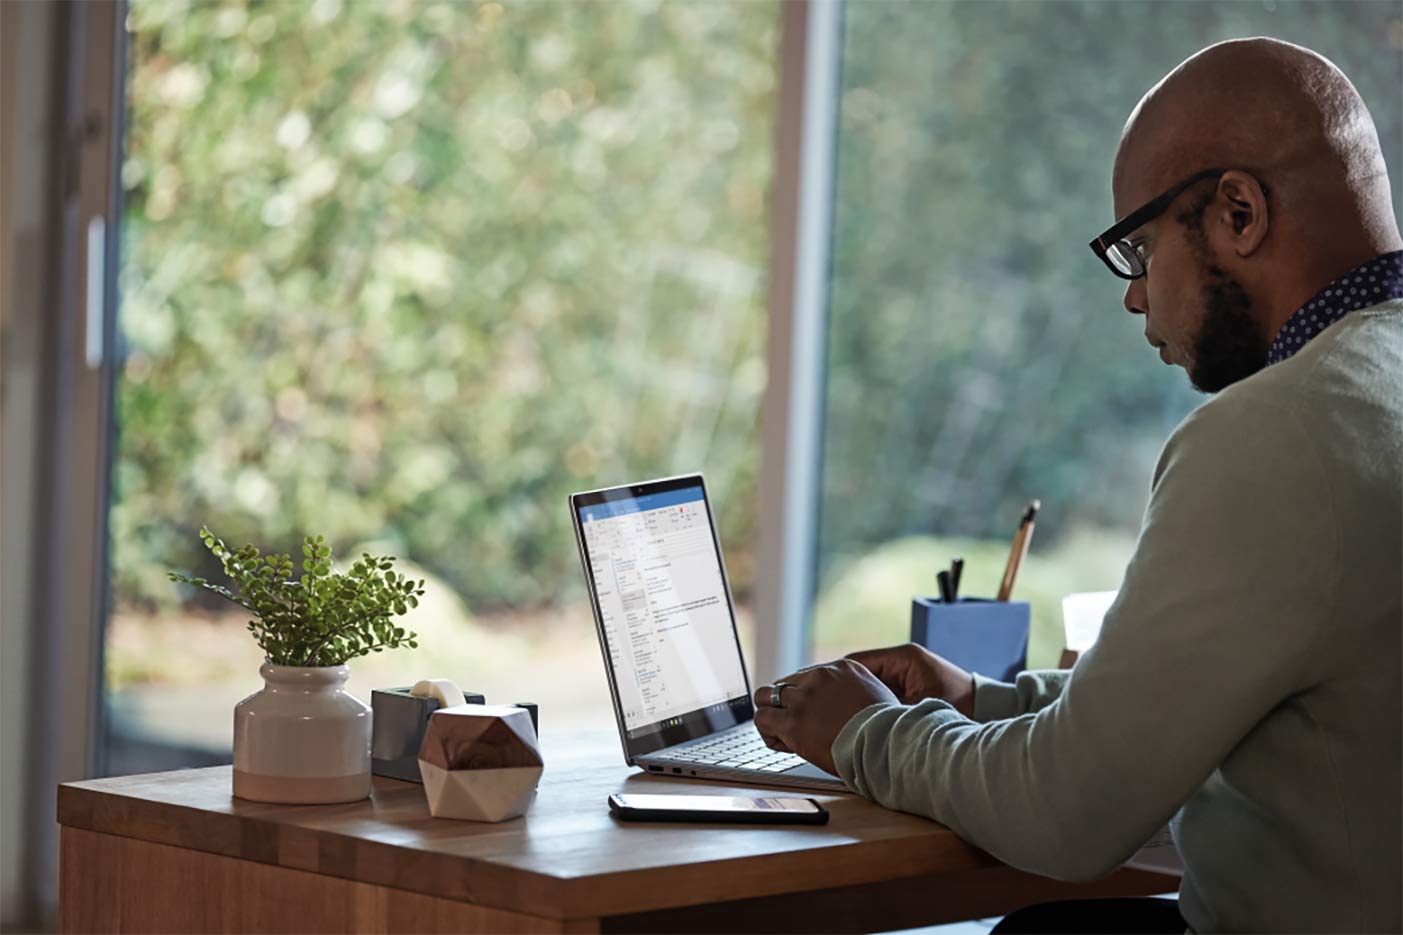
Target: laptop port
(676, 769)
(656, 769)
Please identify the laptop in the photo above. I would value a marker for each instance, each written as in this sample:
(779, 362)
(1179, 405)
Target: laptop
(667, 628)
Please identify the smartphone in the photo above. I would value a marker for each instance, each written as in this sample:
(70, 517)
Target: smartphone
(763, 810)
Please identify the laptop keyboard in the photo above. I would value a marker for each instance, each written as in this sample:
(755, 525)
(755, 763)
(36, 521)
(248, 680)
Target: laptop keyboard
(736, 750)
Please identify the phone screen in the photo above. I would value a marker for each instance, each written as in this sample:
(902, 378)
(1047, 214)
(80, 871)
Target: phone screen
(716, 803)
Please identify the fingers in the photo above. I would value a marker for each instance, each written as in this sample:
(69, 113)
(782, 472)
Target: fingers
(855, 665)
(773, 725)
(773, 722)
(786, 688)
(788, 694)
(892, 666)
(886, 657)
(775, 743)
(887, 662)
(776, 725)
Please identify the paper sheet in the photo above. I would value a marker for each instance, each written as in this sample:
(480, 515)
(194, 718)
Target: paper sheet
(1082, 615)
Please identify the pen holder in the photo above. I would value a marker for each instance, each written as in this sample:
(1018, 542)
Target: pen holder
(976, 634)
(399, 720)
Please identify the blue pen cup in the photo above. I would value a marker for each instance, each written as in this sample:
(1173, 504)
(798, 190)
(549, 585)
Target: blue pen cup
(976, 634)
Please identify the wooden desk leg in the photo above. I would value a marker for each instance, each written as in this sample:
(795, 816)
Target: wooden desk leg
(115, 884)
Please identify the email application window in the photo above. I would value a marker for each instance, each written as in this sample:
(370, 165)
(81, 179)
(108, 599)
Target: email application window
(663, 603)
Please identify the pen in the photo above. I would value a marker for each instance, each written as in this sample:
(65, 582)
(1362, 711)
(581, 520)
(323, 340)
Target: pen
(1020, 549)
(957, 568)
(947, 594)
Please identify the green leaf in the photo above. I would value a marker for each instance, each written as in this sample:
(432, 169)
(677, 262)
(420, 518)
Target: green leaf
(326, 617)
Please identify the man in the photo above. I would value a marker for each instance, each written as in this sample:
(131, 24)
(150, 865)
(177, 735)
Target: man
(1247, 682)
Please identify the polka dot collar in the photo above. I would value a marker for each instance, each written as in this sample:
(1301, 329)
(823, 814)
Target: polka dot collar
(1368, 284)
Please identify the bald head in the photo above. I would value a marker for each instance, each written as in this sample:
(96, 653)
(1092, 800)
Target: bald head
(1300, 197)
(1279, 111)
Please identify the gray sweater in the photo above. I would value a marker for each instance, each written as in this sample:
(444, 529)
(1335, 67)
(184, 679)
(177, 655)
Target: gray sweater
(1246, 682)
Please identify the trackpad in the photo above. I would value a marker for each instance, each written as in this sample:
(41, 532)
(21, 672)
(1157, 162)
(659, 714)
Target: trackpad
(810, 771)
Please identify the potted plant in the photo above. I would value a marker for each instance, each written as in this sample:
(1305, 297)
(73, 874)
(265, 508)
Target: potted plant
(304, 738)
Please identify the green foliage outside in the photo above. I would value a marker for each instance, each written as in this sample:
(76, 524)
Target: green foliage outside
(978, 353)
(321, 618)
(413, 272)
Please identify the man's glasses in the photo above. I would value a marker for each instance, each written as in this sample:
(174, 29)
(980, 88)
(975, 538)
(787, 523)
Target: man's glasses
(1116, 252)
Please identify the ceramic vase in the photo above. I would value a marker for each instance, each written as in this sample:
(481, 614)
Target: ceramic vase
(302, 739)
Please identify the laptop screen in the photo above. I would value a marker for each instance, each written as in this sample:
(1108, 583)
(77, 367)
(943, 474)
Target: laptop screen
(664, 611)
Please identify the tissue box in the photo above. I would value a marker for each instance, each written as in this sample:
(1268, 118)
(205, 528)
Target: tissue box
(976, 634)
(399, 722)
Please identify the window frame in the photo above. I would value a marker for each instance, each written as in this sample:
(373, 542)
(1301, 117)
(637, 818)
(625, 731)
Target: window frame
(63, 589)
(800, 250)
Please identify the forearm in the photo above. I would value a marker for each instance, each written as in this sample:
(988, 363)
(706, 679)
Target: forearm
(998, 786)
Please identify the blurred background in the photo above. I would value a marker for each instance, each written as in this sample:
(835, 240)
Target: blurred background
(975, 358)
(407, 274)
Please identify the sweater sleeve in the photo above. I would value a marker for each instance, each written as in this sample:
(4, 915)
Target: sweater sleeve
(1213, 627)
(1030, 692)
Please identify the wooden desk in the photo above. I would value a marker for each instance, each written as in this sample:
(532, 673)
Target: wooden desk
(176, 852)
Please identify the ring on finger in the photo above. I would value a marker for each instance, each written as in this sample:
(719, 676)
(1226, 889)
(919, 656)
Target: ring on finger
(776, 696)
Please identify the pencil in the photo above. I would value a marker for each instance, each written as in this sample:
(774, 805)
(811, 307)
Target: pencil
(947, 594)
(1019, 550)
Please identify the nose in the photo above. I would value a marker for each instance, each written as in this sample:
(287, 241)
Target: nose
(1135, 299)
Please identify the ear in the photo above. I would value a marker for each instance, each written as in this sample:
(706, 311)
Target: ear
(1243, 218)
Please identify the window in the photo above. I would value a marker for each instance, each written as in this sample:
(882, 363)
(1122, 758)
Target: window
(407, 274)
(978, 355)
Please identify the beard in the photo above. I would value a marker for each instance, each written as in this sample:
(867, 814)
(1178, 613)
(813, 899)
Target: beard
(1230, 345)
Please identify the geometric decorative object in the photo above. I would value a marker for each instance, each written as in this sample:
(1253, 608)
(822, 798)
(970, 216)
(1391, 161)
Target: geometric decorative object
(401, 720)
(480, 762)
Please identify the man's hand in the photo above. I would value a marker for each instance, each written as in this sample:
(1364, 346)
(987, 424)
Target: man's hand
(818, 703)
(915, 673)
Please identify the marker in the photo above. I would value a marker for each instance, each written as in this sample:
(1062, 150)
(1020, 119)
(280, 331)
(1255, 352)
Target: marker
(957, 568)
(1019, 550)
(947, 594)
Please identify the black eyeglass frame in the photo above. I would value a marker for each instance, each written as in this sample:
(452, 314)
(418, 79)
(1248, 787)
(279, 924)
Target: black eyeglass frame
(1141, 216)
